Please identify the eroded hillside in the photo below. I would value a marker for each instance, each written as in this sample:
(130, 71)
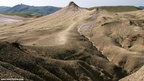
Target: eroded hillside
(73, 44)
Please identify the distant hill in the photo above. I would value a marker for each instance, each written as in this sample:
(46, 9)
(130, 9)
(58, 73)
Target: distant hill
(4, 8)
(33, 10)
(118, 8)
(142, 7)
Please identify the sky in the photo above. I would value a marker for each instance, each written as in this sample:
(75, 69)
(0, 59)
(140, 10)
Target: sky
(81, 3)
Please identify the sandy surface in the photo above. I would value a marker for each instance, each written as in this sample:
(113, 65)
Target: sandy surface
(137, 76)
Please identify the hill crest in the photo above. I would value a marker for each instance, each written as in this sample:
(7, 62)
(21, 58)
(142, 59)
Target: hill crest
(33, 10)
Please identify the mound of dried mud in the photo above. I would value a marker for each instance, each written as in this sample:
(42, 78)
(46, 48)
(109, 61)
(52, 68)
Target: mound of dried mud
(74, 44)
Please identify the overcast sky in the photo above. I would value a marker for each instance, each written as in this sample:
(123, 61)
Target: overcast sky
(82, 3)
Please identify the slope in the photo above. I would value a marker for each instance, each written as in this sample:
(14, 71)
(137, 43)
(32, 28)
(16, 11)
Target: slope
(137, 76)
(120, 38)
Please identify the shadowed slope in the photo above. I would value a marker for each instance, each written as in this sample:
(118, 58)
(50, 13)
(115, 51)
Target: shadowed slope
(30, 66)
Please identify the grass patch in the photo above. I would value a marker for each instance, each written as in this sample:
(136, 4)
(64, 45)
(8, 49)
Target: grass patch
(117, 8)
(20, 14)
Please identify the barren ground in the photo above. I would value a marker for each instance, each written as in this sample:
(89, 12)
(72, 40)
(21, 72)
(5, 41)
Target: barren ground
(4, 19)
(74, 44)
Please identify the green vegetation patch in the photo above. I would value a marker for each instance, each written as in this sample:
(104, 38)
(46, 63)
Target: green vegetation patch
(117, 8)
(20, 14)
